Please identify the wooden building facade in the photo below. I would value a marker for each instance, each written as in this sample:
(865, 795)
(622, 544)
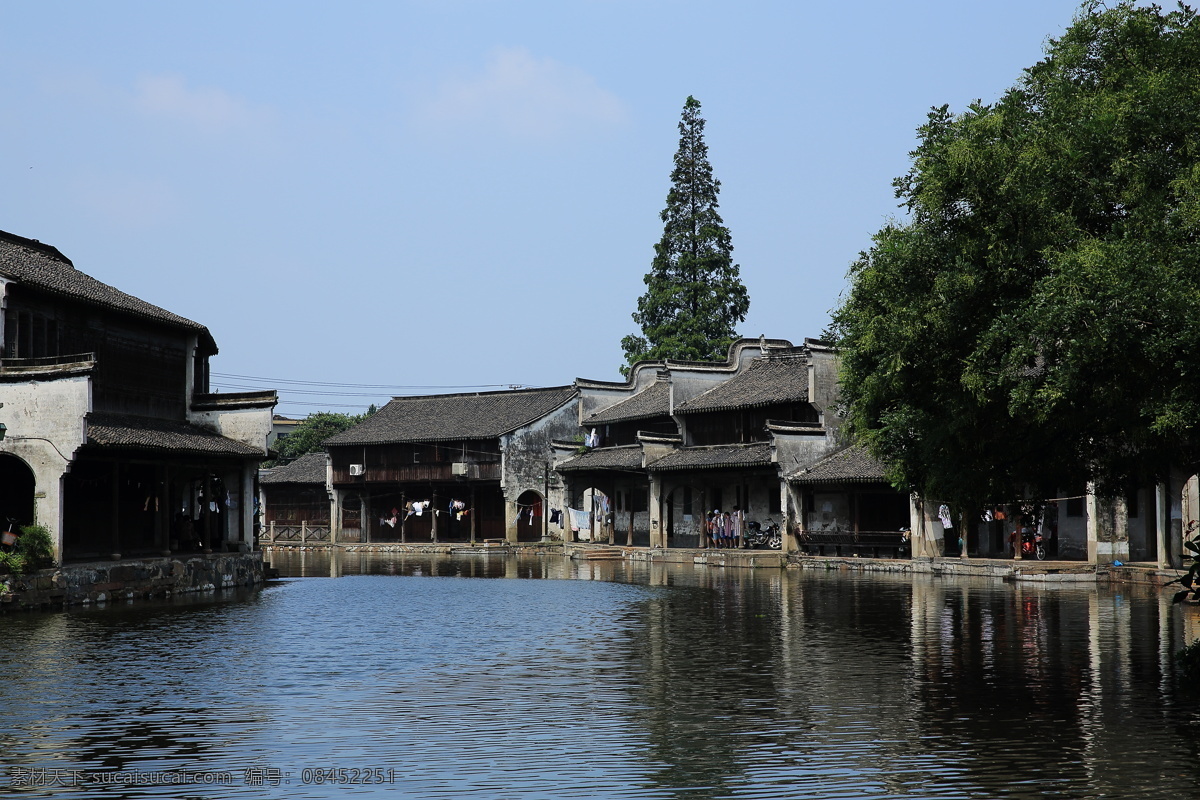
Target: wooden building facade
(112, 439)
(455, 467)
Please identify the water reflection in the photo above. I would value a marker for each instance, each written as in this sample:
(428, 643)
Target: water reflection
(582, 679)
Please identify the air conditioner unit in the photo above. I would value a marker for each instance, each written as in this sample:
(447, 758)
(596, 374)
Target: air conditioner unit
(458, 468)
(358, 469)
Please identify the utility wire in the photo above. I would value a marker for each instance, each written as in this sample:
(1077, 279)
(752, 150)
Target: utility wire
(239, 387)
(324, 405)
(357, 385)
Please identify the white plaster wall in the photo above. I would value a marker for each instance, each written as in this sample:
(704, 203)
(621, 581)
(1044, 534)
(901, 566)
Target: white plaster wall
(1072, 535)
(249, 426)
(593, 399)
(796, 451)
(688, 383)
(45, 428)
(526, 453)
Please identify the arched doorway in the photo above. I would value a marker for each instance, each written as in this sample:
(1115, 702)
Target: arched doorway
(530, 508)
(16, 501)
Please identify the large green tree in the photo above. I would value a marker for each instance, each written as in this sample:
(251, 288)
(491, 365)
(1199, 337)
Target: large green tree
(309, 435)
(694, 296)
(1036, 319)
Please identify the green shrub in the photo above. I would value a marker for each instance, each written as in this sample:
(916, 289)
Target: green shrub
(35, 547)
(12, 564)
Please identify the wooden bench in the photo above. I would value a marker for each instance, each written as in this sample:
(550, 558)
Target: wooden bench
(892, 544)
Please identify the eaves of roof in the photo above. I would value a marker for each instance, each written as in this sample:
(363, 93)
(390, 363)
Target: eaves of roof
(767, 381)
(653, 401)
(120, 432)
(31, 263)
(624, 458)
(852, 464)
(454, 417)
(724, 456)
(308, 468)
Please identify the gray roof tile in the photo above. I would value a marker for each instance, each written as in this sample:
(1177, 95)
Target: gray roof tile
(308, 468)
(626, 457)
(723, 456)
(41, 266)
(851, 465)
(653, 401)
(453, 417)
(145, 433)
(767, 381)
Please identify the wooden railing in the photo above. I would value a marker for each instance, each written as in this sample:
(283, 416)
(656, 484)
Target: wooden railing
(279, 533)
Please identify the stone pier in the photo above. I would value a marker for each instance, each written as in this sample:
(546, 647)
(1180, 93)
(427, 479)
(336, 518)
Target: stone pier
(129, 579)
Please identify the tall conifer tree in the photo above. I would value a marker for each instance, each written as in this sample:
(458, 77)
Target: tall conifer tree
(694, 296)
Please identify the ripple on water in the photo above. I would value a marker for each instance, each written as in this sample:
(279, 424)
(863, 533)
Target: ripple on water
(707, 684)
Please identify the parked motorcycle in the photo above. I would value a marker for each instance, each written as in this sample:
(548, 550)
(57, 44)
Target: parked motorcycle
(762, 535)
(1031, 545)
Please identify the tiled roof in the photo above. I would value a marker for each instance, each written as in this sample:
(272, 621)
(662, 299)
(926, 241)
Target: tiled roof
(723, 456)
(626, 457)
(653, 401)
(144, 433)
(41, 266)
(308, 468)
(851, 465)
(454, 417)
(767, 381)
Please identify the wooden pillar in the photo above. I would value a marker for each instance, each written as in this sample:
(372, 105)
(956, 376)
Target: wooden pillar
(403, 517)
(546, 503)
(162, 516)
(610, 531)
(471, 516)
(1160, 525)
(364, 522)
(669, 518)
(592, 518)
(1015, 519)
(802, 513)
(206, 545)
(433, 505)
(629, 506)
(964, 534)
(114, 539)
(657, 539)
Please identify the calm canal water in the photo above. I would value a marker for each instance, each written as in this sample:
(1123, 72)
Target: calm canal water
(536, 677)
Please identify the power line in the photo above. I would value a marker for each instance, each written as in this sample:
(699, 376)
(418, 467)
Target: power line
(357, 385)
(320, 405)
(235, 386)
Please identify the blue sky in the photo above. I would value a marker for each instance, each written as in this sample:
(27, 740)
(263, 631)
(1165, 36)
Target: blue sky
(368, 199)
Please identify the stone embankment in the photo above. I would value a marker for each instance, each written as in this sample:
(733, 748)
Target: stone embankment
(130, 579)
(1006, 569)
(1025, 570)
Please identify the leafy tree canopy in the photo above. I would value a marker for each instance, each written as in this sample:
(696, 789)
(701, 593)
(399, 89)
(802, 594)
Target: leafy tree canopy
(315, 429)
(1036, 319)
(694, 296)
